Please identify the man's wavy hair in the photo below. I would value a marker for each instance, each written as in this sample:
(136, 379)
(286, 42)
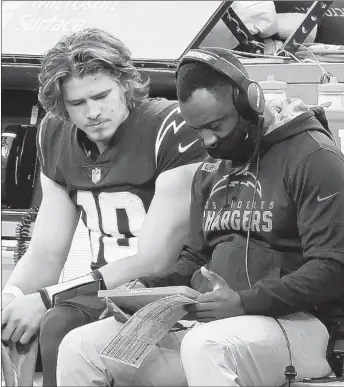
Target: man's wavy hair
(86, 52)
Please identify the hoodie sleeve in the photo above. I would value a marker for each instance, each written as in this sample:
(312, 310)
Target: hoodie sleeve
(317, 190)
(194, 255)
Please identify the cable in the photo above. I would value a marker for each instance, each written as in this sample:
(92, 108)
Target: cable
(256, 153)
(327, 52)
(316, 61)
(250, 223)
(291, 55)
(286, 336)
(289, 371)
(266, 56)
(22, 233)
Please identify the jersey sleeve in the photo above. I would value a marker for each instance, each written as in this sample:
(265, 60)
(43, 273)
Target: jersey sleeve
(176, 143)
(49, 143)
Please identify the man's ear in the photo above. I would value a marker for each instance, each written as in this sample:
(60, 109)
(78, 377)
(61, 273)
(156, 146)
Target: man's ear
(125, 86)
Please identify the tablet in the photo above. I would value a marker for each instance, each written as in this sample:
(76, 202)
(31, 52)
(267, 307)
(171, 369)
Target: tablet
(134, 299)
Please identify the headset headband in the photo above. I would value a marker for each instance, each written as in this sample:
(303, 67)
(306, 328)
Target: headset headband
(218, 63)
(248, 98)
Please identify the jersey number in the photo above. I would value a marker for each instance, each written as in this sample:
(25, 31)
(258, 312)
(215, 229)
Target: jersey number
(114, 220)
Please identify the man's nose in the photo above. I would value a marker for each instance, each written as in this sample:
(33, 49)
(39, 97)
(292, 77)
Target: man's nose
(93, 110)
(208, 136)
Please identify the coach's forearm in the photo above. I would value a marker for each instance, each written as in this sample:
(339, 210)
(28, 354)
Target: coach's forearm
(315, 283)
(180, 273)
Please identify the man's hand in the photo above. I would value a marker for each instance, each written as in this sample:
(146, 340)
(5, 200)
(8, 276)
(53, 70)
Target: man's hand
(113, 310)
(131, 285)
(222, 302)
(21, 318)
(6, 299)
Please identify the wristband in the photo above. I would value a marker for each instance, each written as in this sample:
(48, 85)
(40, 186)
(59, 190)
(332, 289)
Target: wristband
(97, 275)
(14, 290)
(50, 293)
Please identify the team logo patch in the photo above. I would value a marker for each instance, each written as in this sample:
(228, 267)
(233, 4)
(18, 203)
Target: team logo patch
(4, 150)
(210, 167)
(97, 173)
(248, 179)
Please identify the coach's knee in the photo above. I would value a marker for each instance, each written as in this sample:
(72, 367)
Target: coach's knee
(199, 345)
(196, 343)
(207, 358)
(192, 343)
(71, 348)
(80, 350)
(75, 359)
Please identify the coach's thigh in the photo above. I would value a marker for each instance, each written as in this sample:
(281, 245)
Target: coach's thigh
(95, 335)
(254, 349)
(82, 347)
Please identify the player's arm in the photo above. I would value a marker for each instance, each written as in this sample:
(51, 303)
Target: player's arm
(40, 266)
(52, 235)
(166, 224)
(196, 252)
(161, 239)
(178, 153)
(164, 231)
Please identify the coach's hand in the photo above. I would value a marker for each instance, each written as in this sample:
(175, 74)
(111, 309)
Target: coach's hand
(221, 302)
(21, 318)
(131, 285)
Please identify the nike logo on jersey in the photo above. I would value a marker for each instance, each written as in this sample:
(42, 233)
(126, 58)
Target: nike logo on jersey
(183, 149)
(319, 199)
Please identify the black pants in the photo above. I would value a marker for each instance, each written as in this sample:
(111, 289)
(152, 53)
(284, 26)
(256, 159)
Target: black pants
(58, 322)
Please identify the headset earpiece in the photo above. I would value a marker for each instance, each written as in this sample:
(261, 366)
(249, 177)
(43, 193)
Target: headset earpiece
(248, 96)
(256, 98)
(250, 104)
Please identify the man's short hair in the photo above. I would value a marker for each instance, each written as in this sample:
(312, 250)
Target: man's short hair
(197, 75)
(87, 52)
(194, 76)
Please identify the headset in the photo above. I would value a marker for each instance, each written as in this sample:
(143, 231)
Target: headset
(248, 96)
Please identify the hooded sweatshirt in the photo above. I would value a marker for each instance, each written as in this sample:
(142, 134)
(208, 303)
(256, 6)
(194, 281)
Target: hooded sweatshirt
(275, 229)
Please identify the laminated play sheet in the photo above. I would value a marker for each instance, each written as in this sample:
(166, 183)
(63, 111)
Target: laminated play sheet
(138, 336)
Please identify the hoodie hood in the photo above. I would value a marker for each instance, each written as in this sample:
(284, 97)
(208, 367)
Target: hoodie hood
(293, 117)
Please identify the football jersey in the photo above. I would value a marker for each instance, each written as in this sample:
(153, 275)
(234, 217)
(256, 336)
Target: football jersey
(114, 191)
